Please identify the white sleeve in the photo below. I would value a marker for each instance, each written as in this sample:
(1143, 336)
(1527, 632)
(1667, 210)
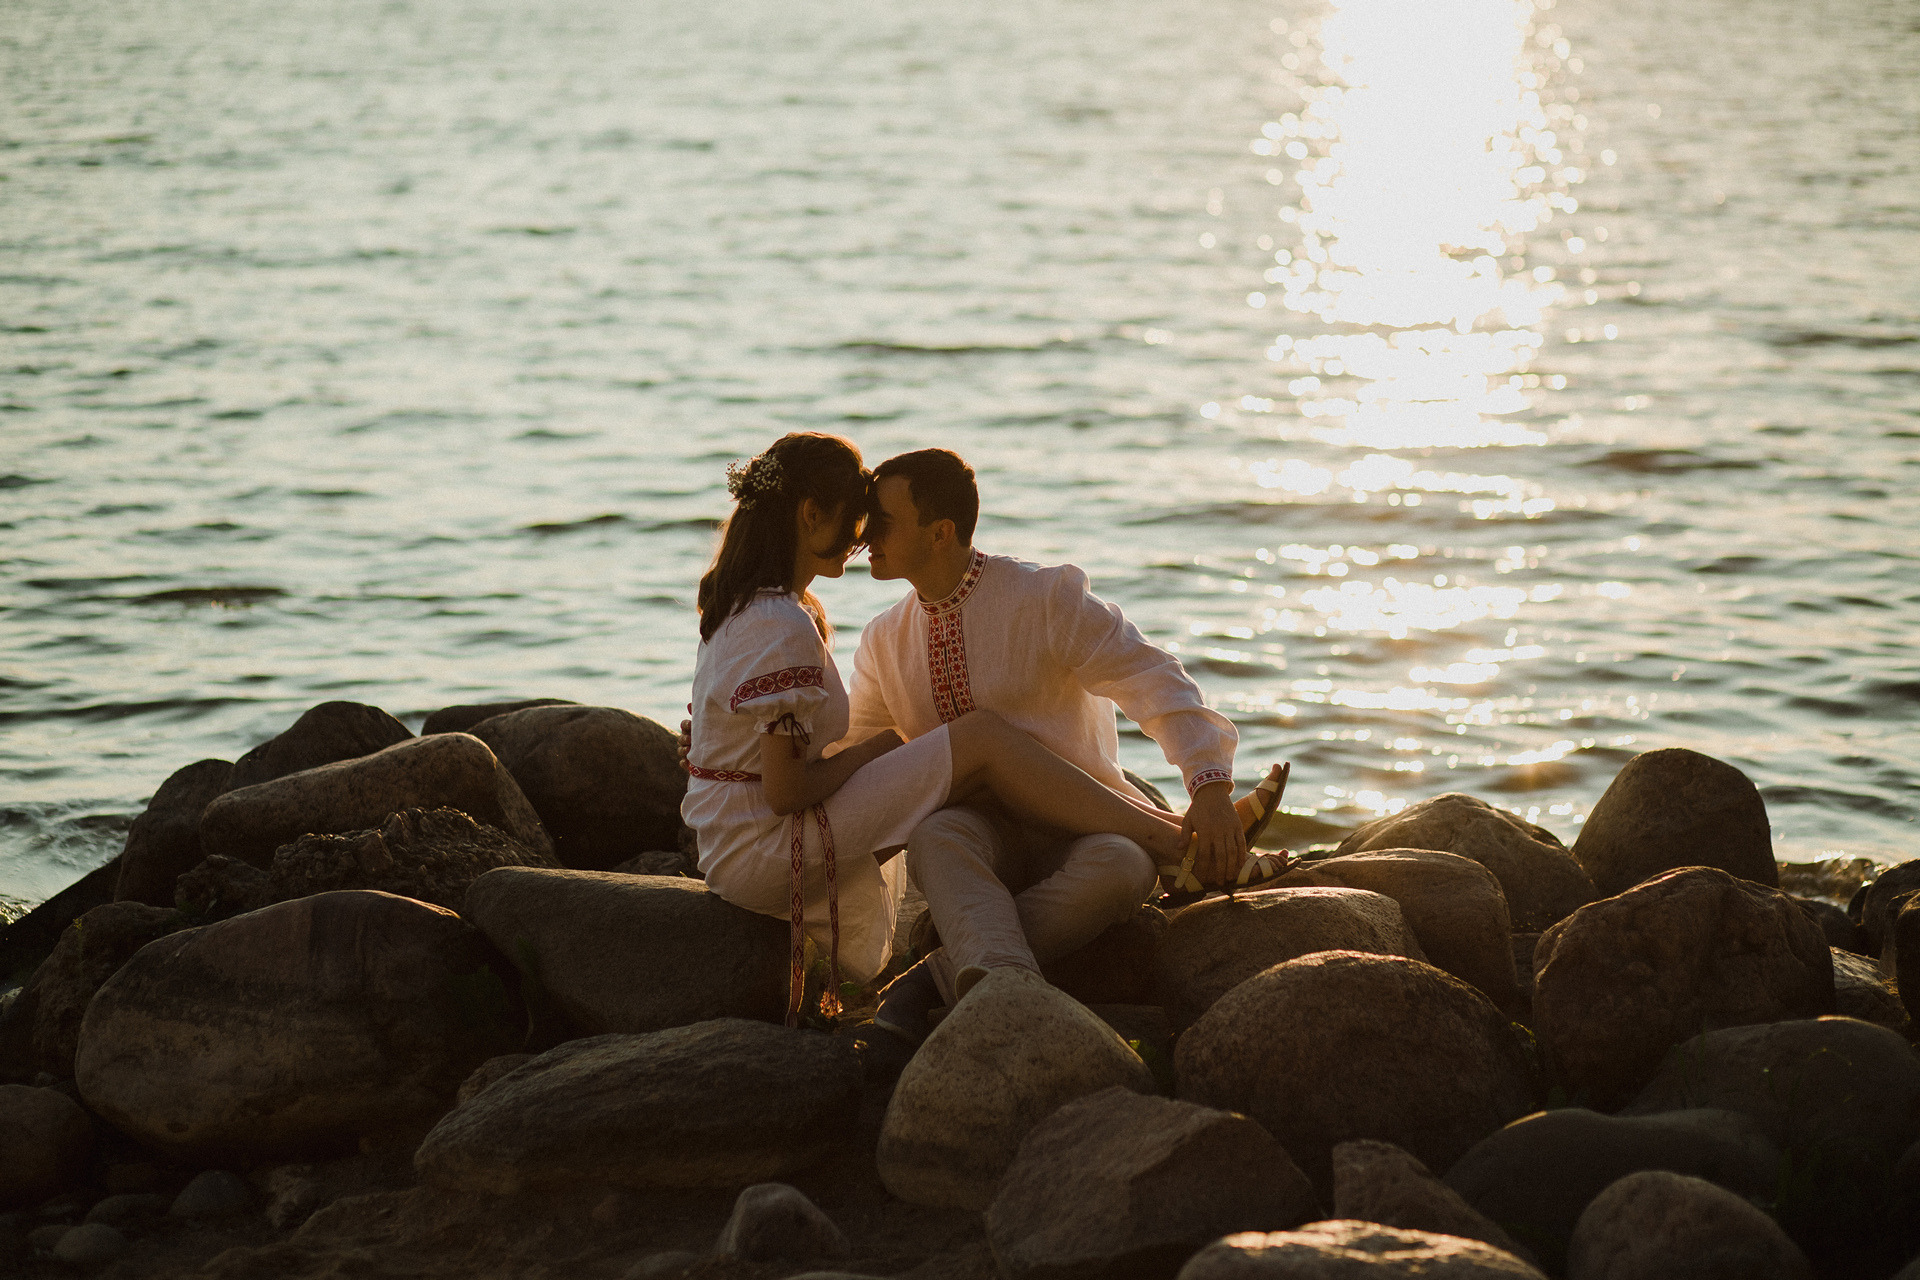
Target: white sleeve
(785, 684)
(1111, 659)
(868, 713)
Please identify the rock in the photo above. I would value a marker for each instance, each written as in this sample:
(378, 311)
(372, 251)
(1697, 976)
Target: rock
(165, 839)
(432, 855)
(91, 1244)
(1542, 881)
(1378, 1182)
(487, 1073)
(43, 1239)
(1906, 958)
(724, 1103)
(212, 1194)
(668, 1262)
(1340, 1045)
(773, 1222)
(1454, 906)
(1340, 1250)
(1215, 945)
(1860, 992)
(300, 1026)
(1008, 1055)
(1881, 900)
(90, 951)
(1119, 1185)
(1841, 1097)
(1666, 1226)
(1535, 1177)
(1148, 790)
(326, 734)
(1624, 979)
(1118, 966)
(1676, 808)
(45, 1142)
(451, 770)
(1144, 1027)
(461, 718)
(1839, 931)
(633, 953)
(128, 1207)
(606, 783)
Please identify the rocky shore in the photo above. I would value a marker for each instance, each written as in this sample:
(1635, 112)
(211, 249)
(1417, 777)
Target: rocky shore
(365, 1003)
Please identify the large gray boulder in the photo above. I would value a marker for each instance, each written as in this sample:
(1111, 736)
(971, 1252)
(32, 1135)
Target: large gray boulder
(1623, 980)
(1340, 1045)
(1454, 906)
(633, 953)
(1536, 1176)
(165, 839)
(433, 855)
(1540, 878)
(606, 783)
(719, 1104)
(1345, 1250)
(325, 734)
(1011, 1052)
(297, 1028)
(90, 950)
(1378, 1182)
(448, 770)
(1676, 808)
(45, 1141)
(1213, 946)
(1120, 1185)
(1656, 1225)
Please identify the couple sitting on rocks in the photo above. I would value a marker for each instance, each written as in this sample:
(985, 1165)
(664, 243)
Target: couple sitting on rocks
(979, 736)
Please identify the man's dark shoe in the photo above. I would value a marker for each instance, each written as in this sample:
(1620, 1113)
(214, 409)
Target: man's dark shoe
(906, 1002)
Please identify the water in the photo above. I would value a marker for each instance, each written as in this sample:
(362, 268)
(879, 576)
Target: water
(393, 352)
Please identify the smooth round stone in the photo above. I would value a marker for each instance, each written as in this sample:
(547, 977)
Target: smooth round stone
(90, 1244)
(212, 1194)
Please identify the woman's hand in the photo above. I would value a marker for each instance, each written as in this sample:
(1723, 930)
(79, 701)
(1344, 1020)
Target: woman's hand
(684, 746)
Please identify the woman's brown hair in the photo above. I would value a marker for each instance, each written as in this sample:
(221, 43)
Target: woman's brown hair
(759, 542)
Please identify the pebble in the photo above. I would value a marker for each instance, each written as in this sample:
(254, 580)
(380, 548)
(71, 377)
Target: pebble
(212, 1194)
(772, 1221)
(118, 1209)
(90, 1245)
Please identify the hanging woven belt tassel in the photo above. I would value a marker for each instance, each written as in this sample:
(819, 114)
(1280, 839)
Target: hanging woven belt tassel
(797, 902)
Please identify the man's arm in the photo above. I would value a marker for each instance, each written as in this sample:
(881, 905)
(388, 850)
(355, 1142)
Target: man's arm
(1111, 659)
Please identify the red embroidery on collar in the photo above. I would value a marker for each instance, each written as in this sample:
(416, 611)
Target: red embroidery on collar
(777, 682)
(947, 646)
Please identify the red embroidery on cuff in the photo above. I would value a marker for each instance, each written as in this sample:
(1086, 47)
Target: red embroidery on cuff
(778, 682)
(1205, 776)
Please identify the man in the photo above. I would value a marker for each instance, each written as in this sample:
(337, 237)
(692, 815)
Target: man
(1035, 646)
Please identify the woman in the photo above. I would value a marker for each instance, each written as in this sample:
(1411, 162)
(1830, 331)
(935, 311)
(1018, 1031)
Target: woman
(785, 829)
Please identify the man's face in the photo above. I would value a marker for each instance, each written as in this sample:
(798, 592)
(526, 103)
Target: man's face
(898, 545)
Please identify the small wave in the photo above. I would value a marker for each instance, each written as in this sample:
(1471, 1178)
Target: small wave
(982, 349)
(548, 433)
(96, 712)
(1831, 798)
(1833, 338)
(20, 482)
(331, 494)
(236, 415)
(573, 526)
(211, 595)
(82, 584)
(1731, 564)
(532, 231)
(1666, 462)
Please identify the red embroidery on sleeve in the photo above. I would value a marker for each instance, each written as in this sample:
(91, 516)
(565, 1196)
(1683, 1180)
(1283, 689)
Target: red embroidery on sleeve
(778, 682)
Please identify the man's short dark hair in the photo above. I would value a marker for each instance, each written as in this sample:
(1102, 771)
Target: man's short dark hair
(942, 487)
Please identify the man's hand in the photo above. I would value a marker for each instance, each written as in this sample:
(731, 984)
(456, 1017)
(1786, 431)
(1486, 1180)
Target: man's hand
(1223, 844)
(685, 746)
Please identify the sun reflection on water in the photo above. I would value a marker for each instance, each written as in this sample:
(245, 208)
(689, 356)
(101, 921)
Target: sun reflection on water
(1423, 163)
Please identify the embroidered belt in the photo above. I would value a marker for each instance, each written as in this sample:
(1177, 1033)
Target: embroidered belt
(797, 908)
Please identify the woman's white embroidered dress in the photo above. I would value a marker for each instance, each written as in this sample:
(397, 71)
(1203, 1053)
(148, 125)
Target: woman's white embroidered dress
(767, 671)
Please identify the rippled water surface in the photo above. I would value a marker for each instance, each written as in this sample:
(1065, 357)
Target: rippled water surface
(1475, 392)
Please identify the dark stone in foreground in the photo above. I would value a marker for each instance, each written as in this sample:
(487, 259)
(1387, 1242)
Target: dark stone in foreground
(1345, 1250)
(1656, 1225)
(773, 1222)
(1882, 900)
(725, 1103)
(296, 1028)
(1378, 1182)
(1676, 808)
(1623, 980)
(1339, 1045)
(1120, 1185)
(165, 839)
(45, 1139)
(1536, 1176)
(621, 953)
(330, 732)
(461, 718)
(92, 950)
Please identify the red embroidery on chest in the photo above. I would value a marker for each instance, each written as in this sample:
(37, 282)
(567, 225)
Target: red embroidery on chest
(776, 682)
(947, 647)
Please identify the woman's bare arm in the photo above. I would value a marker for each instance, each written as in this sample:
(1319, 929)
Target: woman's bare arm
(793, 783)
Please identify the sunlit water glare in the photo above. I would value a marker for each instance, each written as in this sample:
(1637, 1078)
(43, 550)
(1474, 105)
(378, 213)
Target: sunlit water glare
(1474, 393)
